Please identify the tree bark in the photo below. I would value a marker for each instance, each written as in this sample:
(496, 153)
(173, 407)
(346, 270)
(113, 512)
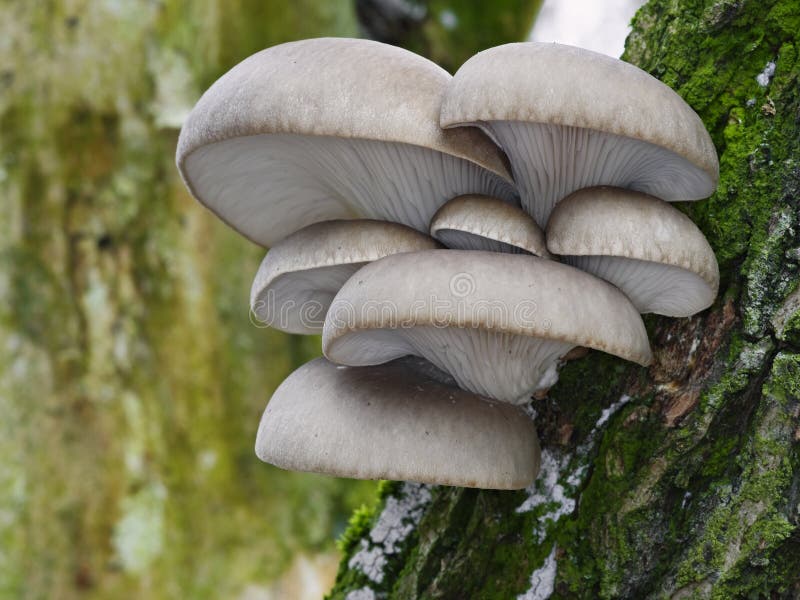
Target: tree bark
(683, 479)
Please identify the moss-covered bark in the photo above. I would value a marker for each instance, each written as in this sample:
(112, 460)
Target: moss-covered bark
(681, 480)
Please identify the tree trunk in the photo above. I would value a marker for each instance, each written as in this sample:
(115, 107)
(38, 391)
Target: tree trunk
(683, 479)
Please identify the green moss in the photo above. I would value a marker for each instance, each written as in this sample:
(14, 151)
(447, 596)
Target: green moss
(357, 527)
(586, 385)
(791, 329)
(464, 528)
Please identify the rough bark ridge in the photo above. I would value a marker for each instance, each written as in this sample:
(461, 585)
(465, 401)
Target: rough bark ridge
(681, 480)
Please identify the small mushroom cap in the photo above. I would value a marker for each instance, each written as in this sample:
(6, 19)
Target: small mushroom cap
(393, 422)
(301, 274)
(650, 250)
(497, 323)
(546, 105)
(372, 113)
(474, 222)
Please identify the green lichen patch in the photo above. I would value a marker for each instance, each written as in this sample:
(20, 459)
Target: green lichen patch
(751, 521)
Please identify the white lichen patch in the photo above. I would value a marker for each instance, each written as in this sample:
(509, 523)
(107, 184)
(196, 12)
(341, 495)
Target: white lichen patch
(399, 517)
(139, 535)
(547, 490)
(370, 561)
(766, 75)
(361, 594)
(555, 491)
(606, 414)
(543, 580)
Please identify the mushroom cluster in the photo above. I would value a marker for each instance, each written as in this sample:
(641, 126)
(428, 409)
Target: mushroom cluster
(452, 238)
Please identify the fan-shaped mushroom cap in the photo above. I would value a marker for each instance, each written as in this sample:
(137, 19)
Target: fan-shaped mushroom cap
(301, 274)
(497, 323)
(570, 118)
(475, 222)
(648, 249)
(331, 128)
(392, 422)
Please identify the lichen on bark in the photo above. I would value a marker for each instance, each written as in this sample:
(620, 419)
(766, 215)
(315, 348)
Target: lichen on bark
(693, 487)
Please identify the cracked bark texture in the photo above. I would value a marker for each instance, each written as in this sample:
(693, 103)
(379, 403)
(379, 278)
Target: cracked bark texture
(681, 480)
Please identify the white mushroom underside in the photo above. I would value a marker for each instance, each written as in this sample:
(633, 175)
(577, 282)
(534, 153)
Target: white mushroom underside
(652, 287)
(297, 302)
(497, 365)
(269, 186)
(464, 240)
(549, 162)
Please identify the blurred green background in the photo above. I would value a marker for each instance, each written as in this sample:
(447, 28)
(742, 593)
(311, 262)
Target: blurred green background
(131, 379)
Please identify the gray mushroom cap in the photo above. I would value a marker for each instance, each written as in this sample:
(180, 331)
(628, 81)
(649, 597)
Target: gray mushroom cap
(651, 251)
(570, 118)
(393, 422)
(301, 274)
(331, 128)
(474, 222)
(497, 323)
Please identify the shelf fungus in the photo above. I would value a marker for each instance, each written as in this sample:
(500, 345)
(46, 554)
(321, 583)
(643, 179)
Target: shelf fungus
(650, 250)
(301, 274)
(569, 118)
(484, 223)
(393, 422)
(497, 323)
(331, 128)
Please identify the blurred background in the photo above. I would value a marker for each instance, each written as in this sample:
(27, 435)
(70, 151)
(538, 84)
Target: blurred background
(131, 378)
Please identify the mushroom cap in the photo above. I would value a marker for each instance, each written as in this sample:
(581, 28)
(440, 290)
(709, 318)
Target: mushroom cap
(301, 274)
(474, 222)
(547, 104)
(331, 128)
(393, 422)
(647, 248)
(497, 323)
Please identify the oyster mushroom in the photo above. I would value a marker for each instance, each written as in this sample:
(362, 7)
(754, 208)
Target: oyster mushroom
(497, 323)
(483, 223)
(301, 274)
(331, 128)
(393, 422)
(651, 251)
(570, 118)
